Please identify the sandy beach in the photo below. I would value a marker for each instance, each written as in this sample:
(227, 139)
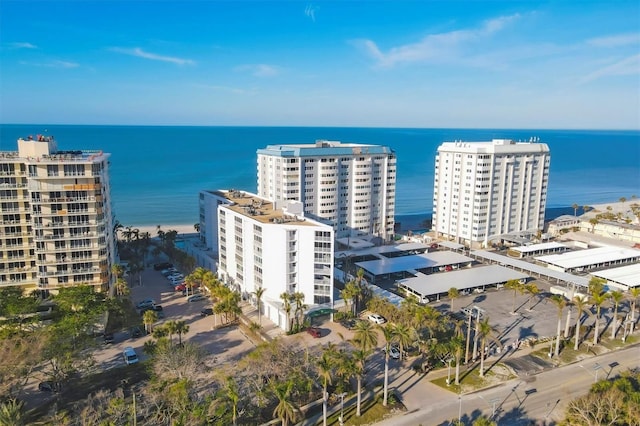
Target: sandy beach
(153, 230)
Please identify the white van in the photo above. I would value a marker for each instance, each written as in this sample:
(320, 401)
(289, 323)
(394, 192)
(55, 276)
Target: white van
(129, 355)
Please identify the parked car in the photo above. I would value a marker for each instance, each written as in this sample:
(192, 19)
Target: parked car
(394, 352)
(376, 319)
(349, 324)
(206, 312)
(145, 303)
(314, 331)
(196, 298)
(129, 355)
(48, 387)
(108, 338)
(156, 308)
(163, 265)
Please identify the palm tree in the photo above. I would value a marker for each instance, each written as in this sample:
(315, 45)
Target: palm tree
(365, 335)
(560, 303)
(483, 421)
(286, 306)
(581, 305)
(298, 299)
(325, 367)
(484, 332)
(181, 328)
(258, 293)
(351, 293)
(516, 286)
(598, 300)
(616, 297)
(122, 288)
(387, 333)
(405, 336)
(457, 345)
(469, 327)
(360, 357)
(634, 293)
(172, 328)
(149, 318)
(596, 285)
(533, 290)
(568, 323)
(232, 393)
(453, 293)
(593, 221)
(285, 410)
(575, 209)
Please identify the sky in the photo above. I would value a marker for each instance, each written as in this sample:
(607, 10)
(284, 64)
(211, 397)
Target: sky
(419, 64)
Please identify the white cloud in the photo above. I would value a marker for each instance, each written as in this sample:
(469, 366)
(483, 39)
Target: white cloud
(310, 12)
(260, 70)
(436, 47)
(21, 45)
(52, 64)
(138, 52)
(627, 66)
(615, 40)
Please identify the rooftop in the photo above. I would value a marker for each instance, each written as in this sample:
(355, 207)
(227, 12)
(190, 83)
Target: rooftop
(538, 247)
(387, 265)
(323, 148)
(583, 258)
(261, 209)
(626, 275)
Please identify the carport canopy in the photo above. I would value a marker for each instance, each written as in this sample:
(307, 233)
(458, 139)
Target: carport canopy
(464, 279)
(405, 263)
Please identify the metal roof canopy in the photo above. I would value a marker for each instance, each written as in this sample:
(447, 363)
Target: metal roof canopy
(387, 295)
(377, 251)
(412, 262)
(625, 275)
(450, 245)
(588, 257)
(463, 279)
(530, 267)
(537, 247)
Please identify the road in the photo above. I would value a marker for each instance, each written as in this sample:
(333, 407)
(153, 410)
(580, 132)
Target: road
(538, 398)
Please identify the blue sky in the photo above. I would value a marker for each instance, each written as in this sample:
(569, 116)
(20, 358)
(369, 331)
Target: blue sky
(497, 64)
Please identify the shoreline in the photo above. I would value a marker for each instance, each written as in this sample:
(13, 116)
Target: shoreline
(406, 222)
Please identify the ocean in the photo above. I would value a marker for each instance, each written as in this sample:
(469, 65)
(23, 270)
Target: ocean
(158, 171)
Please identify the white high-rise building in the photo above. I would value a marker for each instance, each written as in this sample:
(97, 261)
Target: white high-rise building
(277, 249)
(56, 222)
(486, 189)
(349, 186)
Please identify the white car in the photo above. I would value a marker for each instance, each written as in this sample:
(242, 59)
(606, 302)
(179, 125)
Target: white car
(394, 352)
(196, 298)
(129, 355)
(376, 319)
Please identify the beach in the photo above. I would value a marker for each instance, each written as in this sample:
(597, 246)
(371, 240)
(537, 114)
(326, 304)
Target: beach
(183, 230)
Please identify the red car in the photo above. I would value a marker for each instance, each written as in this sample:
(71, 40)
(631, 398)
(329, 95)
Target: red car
(183, 287)
(314, 331)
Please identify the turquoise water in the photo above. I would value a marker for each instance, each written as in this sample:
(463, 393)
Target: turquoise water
(157, 172)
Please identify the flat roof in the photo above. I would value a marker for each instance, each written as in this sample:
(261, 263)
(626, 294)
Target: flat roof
(461, 279)
(537, 247)
(387, 265)
(378, 250)
(324, 148)
(627, 275)
(355, 243)
(386, 295)
(260, 209)
(530, 267)
(450, 245)
(582, 258)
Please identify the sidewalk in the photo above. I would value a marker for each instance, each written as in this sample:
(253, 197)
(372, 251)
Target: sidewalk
(269, 329)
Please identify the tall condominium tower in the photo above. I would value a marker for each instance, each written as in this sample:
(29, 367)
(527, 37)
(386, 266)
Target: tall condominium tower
(56, 225)
(277, 249)
(348, 186)
(485, 189)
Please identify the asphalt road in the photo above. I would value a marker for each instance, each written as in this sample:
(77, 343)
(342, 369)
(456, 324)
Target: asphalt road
(536, 400)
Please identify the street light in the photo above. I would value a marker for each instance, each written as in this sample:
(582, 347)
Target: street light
(596, 367)
(341, 419)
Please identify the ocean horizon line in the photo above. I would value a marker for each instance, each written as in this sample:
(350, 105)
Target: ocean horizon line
(282, 126)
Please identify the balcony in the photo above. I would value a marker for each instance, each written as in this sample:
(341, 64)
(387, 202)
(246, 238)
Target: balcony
(66, 236)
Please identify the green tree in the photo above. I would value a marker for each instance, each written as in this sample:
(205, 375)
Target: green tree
(453, 294)
(233, 395)
(388, 335)
(485, 332)
(12, 413)
(298, 299)
(575, 209)
(484, 421)
(259, 293)
(286, 411)
(560, 303)
(581, 306)
(516, 286)
(286, 306)
(365, 335)
(598, 299)
(325, 368)
(634, 294)
(148, 319)
(360, 357)
(181, 328)
(616, 297)
(405, 336)
(533, 290)
(171, 328)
